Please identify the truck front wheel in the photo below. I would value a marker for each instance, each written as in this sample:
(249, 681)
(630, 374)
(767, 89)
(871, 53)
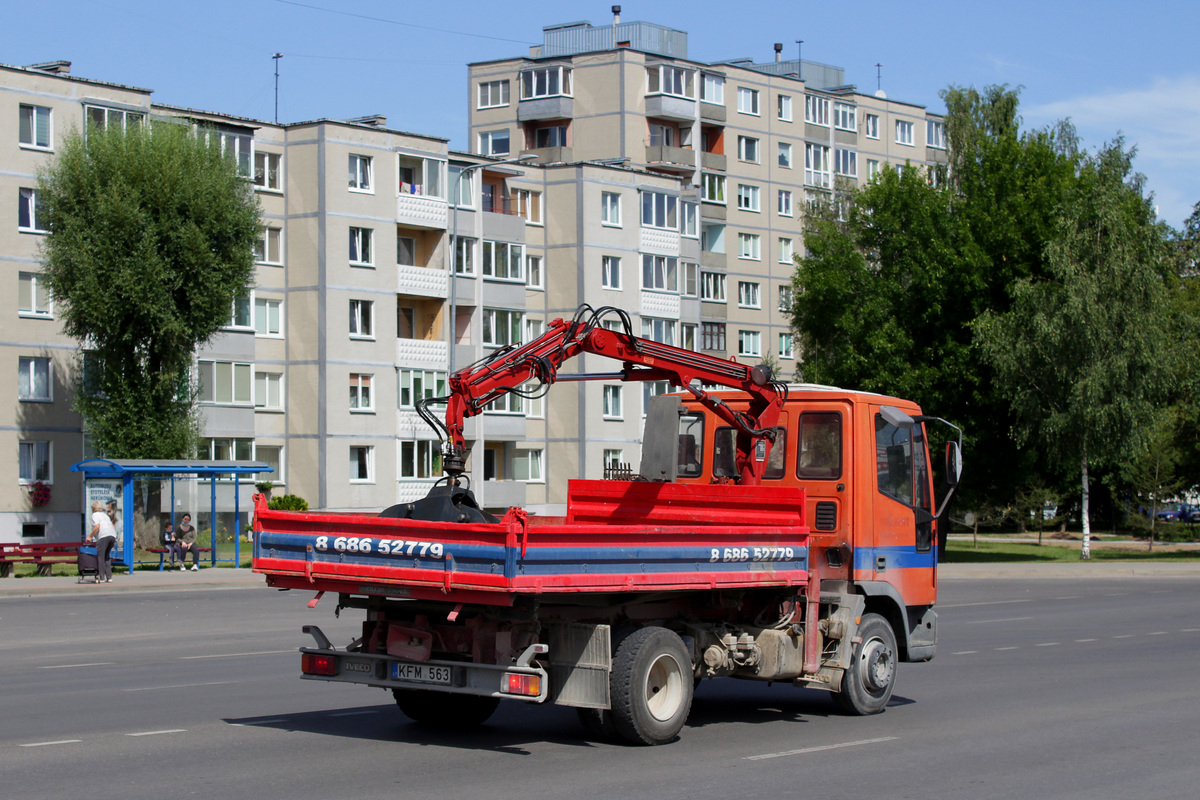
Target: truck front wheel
(867, 684)
(651, 686)
(442, 710)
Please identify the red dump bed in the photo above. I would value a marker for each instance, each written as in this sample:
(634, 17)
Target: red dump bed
(618, 536)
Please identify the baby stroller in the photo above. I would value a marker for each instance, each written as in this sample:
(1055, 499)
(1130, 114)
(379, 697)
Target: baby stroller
(88, 563)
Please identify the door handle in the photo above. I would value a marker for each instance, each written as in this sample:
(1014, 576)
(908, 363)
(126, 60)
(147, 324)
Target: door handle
(880, 563)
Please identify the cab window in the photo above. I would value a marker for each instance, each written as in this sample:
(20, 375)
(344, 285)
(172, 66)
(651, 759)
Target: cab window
(819, 454)
(691, 446)
(725, 453)
(893, 460)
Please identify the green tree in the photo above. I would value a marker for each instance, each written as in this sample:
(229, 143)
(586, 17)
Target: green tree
(1084, 355)
(152, 235)
(1153, 474)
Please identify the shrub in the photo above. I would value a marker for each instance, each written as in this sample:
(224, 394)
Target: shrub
(288, 502)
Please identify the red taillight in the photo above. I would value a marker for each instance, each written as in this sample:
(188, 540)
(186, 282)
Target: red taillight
(520, 683)
(316, 664)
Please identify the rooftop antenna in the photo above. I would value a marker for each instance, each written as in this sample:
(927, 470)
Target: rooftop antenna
(276, 57)
(800, 59)
(878, 76)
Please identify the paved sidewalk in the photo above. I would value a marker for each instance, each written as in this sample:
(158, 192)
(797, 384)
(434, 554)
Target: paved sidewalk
(229, 578)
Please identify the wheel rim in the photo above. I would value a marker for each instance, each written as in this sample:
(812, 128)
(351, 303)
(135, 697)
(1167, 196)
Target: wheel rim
(664, 688)
(879, 664)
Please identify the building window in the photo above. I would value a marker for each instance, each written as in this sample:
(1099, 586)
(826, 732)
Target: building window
(226, 449)
(785, 155)
(269, 248)
(533, 272)
(749, 343)
(33, 530)
(464, 258)
(785, 202)
(34, 380)
(904, 132)
(361, 251)
(785, 346)
(238, 145)
(34, 462)
(268, 171)
(610, 272)
(660, 211)
(748, 149)
(935, 134)
(613, 459)
(362, 464)
(493, 94)
(786, 252)
(529, 205)
(612, 402)
(845, 117)
(871, 126)
(268, 390)
(34, 124)
(691, 279)
(816, 166)
(418, 384)
(712, 89)
(360, 392)
(748, 295)
(494, 143)
(462, 183)
(502, 327)
(549, 136)
(29, 210)
(785, 108)
(872, 169)
(610, 209)
(846, 162)
(816, 110)
(712, 287)
(406, 322)
(750, 246)
(687, 335)
(504, 261)
(360, 174)
(712, 188)
(665, 79)
(786, 296)
(660, 273)
(33, 300)
(712, 238)
(712, 336)
(225, 383)
(546, 82)
(272, 456)
(748, 197)
(527, 466)
(659, 330)
(241, 313)
(691, 220)
(105, 118)
(268, 317)
(421, 459)
(406, 251)
(747, 101)
(361, 323)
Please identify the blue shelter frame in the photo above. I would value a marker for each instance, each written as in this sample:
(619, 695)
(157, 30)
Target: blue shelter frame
(127, 470)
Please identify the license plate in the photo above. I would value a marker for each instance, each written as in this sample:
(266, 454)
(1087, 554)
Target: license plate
(420, 673)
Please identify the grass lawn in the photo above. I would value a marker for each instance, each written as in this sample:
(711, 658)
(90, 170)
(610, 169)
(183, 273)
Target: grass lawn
(146, 562)
(960, 551)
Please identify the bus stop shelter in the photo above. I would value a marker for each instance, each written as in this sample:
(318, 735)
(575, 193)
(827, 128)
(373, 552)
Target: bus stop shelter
(99, 475)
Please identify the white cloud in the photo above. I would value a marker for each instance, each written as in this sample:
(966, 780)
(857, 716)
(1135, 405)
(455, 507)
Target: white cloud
(1162, 120)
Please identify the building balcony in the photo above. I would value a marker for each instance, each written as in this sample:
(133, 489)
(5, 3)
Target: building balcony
(712, 112)
(546, 108)
(664, 156)
(421, 211)
(422, 353)
(659, 242)
(551, 155)
(422, 281)
(714, 161)
(663, 105)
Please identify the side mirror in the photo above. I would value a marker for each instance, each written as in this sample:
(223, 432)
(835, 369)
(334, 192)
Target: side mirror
(953, 464)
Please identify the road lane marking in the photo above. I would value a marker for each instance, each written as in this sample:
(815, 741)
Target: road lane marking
(179, 686)
(1124, 636)
(821, 748)
(1048, 644)
(1005, 619)
(1008, 648)
(986, 603)
(1189, 630)
(157, 733)
(1157, 633)
(47, 744)
(70, 666)
(1087, 640)
(239, 655)
(1068, 597)
(965, 653)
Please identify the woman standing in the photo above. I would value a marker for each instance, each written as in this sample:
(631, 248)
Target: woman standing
(104, 533)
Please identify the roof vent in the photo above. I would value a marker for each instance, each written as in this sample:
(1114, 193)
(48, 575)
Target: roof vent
(53, 67)
(373, 120)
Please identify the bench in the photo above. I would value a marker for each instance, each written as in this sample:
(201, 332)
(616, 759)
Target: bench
(162, 554)
(44, 554)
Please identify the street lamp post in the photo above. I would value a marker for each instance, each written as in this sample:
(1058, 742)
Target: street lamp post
(456, 196)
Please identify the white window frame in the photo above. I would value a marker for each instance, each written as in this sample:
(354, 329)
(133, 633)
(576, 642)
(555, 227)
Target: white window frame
(749, 149)
(103, 116)
(787, 251)
(845, 162)
(660, 273)
(687, 335)
(660, 210)
(749, 197)
(785, 203)
(489, 142)
(749, 294)
(712, 238)
(689, 275)
(362, 319)
(613, 402)
(419, 384)
(613, 458)
(750, 246)
(240, 306)
(747, 101)
(34, 371)
(39, 305)
(712, 89)
(873, 168)
(362, 457)
(268, 318)
(30, 126)
(845, 117)
(785, 155)
(239, 379)
(362, 398)
(610, 273)
(268, 391)
(510, 324)
(905, 132)
(560, 86)
(534, 463)
(361, 173)
(785, 108)
(269, 247)
(610, 209)
(27, 211)
(816, 110)
(268, 171)
(689, 220)
(935, 134)
(362, 247)
(712, 287)
(712, 187)
(35, 447)
(749, 344)
(418, 460)
(528, 205)
(464, 184)
(464, 261)
(871, 126)
(512, 254)
(787, 347)
(816, 166)
(787, 296)
(493, 94)
(534, 274)
(667, 79)
(660, 330)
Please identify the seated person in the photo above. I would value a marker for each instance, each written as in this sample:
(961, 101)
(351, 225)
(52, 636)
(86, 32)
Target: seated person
(171, 545)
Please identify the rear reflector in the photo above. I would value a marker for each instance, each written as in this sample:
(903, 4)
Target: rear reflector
(518, 683)
(315, 664)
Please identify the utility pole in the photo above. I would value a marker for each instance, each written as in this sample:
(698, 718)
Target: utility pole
(276, 57)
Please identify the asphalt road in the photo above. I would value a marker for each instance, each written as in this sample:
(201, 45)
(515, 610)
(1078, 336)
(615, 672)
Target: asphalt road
(1077, 688)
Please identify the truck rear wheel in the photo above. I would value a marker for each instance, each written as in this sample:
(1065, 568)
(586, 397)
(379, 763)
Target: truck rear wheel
(651, 686)
(867, 684)
(442, 710)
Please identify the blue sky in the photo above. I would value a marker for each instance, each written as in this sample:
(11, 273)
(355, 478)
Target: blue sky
(1112, 67)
